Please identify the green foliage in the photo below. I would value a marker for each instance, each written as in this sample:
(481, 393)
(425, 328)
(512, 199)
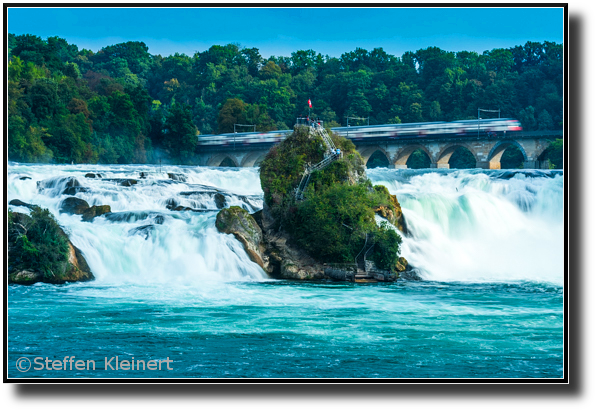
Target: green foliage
(331, 225)
(512, 158)
(231, 113)
(377, 159)
(462, 158)
(419, 160)
(39, 242)
(283, 167)
(180, 134)
(337, 214)
(49, 80)
(387, 247)
(554, 154)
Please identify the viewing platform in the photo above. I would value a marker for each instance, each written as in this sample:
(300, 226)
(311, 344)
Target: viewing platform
(350, 272)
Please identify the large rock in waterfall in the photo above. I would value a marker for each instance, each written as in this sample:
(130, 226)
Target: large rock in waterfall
(268, 248)
(295, 236)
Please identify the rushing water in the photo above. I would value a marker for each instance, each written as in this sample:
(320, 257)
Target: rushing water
(488, 244)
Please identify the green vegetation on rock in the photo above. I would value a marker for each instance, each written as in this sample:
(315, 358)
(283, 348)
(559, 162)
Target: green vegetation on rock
(40, 251)
(338, 210)
(38, 241)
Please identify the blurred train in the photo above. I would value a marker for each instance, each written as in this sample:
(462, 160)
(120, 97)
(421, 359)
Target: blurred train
(239, 139)
(432, 130)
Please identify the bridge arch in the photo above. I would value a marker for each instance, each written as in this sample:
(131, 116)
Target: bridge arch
(404, 155)
(495, 154)
(217, 159)
(367, 152)
(543, 160)
(443, 159)
(377, 159)
(253, 159)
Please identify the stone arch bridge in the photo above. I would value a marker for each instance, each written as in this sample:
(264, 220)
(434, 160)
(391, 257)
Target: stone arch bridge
(486, 150)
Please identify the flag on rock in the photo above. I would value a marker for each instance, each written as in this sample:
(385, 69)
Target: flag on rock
(310, 104)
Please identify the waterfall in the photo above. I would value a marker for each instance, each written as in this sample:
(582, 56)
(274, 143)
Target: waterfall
(474, 225)
(463, 225)
(143, 241)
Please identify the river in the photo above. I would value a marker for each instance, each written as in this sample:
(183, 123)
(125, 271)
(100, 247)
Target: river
(489, 246)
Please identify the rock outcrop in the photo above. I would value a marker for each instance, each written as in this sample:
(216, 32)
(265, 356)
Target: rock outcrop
(272, 250)
(65, 185)
(17, 202)
(285, 260)
(329, 224)
(76, 206)
(238, 222)
(33, 258)
(73, 206)
(179, 177)
(95, 211)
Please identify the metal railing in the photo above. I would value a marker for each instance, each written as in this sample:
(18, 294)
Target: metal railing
(307, 121)
(331, 154)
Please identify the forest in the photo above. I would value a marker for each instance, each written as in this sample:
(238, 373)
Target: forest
(122, 104)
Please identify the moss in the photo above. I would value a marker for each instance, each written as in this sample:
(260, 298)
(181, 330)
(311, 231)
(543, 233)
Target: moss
(95, 211)
(237, 219)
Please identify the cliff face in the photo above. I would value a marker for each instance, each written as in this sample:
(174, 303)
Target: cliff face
(285, 259)
(329, 224)
(272, 250)
(40, 251)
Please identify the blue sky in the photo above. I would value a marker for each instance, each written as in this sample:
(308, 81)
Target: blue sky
(280, 31)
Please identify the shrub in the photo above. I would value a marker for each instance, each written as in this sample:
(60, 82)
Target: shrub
(387, 247)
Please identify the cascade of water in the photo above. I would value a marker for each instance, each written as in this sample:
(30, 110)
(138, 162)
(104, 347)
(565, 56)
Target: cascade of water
(463, 225)
(145, 239)
(472, 226)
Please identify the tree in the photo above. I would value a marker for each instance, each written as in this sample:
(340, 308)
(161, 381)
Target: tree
(253, 60)
(303, 59)
(180, 134)
(134, 54)
(432, 63)
(270, 71)
(231, 113)
(257, 115)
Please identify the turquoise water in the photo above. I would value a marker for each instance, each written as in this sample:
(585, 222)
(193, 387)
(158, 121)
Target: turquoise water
(489, 247)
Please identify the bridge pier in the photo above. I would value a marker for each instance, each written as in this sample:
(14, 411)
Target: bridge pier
(531, 164)
(488, 165)
(439, 165)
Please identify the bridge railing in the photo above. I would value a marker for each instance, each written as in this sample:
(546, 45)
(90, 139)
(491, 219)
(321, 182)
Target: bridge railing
(307, 121)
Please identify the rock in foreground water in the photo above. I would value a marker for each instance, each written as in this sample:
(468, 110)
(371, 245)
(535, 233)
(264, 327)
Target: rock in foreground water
(40, 251)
